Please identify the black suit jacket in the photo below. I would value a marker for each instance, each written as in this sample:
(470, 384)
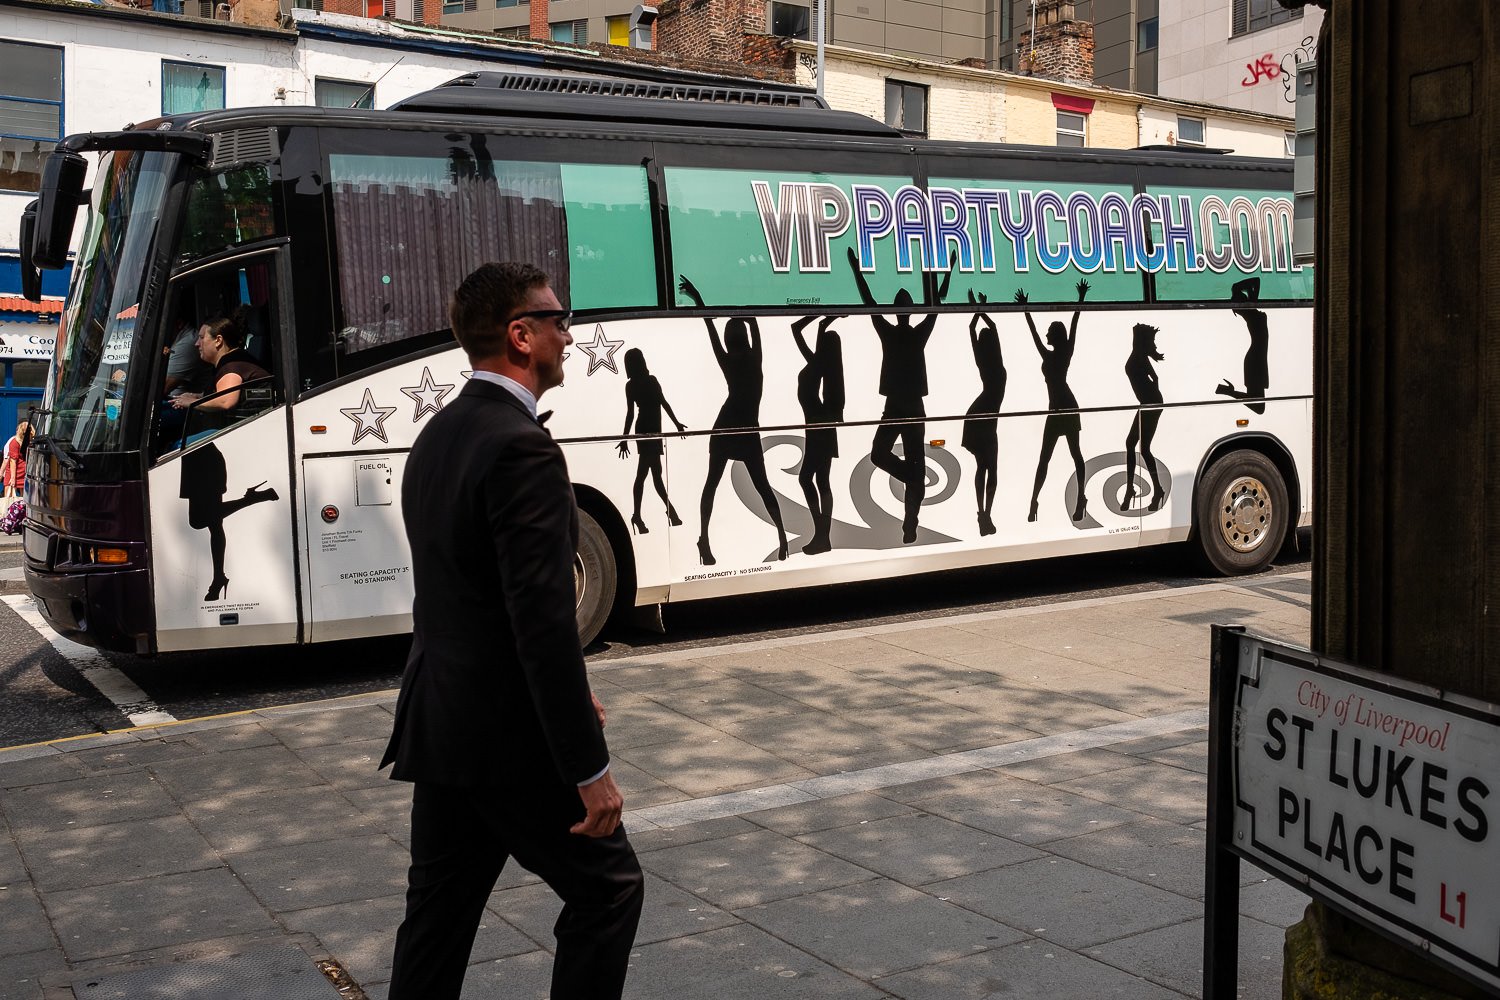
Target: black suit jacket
(494, 692)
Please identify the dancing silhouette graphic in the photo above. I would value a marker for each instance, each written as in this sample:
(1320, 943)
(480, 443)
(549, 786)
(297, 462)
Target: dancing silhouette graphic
(820, 390)
(739, 359)
(903, 383)
(1064, 420)
(980, 437)
(643, 405)
(1257, 358)
(204, 482)
(1142, 374)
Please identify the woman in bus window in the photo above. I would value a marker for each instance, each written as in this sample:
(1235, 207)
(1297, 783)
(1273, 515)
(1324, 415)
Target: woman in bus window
(820, 390)
(980, 438)
(1064, 420)
(221, 343)
(643, 405)
(1142, 375)
(739, 359)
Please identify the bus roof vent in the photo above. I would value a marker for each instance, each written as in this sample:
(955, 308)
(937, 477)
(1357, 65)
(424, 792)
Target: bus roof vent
(608, 86)
(246, 145)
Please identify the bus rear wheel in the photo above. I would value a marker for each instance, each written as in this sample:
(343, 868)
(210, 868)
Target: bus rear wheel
(594, 578)
(1242, 513)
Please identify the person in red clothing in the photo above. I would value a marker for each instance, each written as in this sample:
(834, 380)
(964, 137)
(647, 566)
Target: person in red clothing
(13, 465)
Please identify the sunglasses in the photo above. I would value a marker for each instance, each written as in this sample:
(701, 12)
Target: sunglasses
(562, 317)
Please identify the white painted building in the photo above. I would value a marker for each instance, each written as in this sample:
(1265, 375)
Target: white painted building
(1235, 53)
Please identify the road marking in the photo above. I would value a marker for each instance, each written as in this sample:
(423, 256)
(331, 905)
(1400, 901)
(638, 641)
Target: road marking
(122, 692)
(869, 779)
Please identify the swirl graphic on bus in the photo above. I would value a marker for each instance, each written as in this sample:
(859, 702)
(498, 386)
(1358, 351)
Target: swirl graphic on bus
(1112, 489)
(878, 527)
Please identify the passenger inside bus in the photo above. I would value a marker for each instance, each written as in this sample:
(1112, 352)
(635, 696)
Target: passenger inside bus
(221, 343)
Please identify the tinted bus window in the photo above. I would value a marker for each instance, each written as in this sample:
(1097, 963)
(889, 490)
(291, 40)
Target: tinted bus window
(1220, 236)
(409, 229)
(777, 238)
(1045, 238)
(227, 208)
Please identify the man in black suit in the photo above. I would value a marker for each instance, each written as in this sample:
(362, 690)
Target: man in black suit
(495, 723)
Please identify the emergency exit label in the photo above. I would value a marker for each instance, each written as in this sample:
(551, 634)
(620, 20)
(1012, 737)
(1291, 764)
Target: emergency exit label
(1377, 795)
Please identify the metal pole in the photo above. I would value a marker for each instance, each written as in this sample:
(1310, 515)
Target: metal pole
(821, 18)
(1221, 875)
(1033, 31)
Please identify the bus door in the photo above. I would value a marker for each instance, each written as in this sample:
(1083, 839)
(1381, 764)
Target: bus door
(222, 523)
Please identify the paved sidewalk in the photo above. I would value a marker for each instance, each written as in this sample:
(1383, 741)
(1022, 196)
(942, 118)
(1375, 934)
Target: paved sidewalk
(1003, 804)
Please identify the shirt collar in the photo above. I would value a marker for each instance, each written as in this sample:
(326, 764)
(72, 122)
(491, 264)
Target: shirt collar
(515, 388)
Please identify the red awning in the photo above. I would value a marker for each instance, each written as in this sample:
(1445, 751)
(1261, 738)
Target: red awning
(1078, 105)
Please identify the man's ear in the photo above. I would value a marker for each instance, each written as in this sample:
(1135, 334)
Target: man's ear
(518, 338)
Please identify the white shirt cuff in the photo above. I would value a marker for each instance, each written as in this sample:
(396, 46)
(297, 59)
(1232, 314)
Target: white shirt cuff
(595, 778)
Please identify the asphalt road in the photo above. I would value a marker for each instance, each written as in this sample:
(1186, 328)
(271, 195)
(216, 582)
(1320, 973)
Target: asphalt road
(44, 697)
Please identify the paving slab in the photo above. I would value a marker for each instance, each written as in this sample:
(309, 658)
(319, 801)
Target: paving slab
(751, 868)
(152, 913)
(670, 912)
(21, 975)
(24, 926)
(303, 876)
(82, 856)
(738, 963)
(1022, 811)
(919, 848)
(1173, 957)
(825, 814)
(1031, 970)
(252, 819)
(877, 928)
(42, 770)
(265, 767)
(1067, 902)
(38, 809)
(1158, 790)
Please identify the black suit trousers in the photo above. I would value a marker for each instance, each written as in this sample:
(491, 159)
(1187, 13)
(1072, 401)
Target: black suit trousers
(460, 841)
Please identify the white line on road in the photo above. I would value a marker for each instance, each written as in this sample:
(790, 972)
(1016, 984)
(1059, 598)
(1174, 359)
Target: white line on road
(134, 703)
(671, 814)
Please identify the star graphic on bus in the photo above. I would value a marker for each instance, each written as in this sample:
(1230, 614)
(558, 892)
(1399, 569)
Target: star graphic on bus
(368, 418)
(601, 351)
(427, 394)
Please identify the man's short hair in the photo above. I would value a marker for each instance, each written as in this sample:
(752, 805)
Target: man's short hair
(486, 300)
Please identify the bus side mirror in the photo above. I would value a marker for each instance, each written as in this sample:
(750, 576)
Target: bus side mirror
(31, 275)
(61, 194)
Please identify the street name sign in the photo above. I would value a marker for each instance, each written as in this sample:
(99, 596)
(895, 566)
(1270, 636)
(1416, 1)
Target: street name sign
(1373, 794)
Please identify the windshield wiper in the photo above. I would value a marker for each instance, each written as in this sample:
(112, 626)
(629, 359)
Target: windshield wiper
(58, 449)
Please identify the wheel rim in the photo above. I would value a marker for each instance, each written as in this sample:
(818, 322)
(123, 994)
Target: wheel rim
(580, 582)
(1245, 514)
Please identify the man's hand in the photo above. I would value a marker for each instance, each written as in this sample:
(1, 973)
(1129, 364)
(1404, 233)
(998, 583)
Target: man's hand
(602, 800)
(598, 708)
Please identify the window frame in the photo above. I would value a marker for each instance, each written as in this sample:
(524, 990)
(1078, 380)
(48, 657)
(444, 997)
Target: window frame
(318, 81)
(1244, 14)
(1082, 133)
(223, 85)
(1141, 32)
(572, 23)
(904, 86)
(771, 19)
(1202, 139)
(60, 103)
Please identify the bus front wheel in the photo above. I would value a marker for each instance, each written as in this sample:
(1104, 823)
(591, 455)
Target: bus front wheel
(594, 578)
(1242, 513)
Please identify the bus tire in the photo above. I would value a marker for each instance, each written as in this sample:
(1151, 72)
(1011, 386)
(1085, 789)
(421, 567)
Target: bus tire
(1242, 513)
(595, 578)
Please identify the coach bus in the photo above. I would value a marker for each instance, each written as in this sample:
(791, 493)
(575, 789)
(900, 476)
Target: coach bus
(807, 350)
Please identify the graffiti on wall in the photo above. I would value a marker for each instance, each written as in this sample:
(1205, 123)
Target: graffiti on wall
(1268, 67)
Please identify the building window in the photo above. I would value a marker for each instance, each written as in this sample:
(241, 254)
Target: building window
(618, 28)
(1291, 143)
(571, 32)
(343, 94)
(191, 87)
(31, 112)
(521, 31)
(790, 21)
(459, 6)
(1145, 35)
(1072, 128)
(1257, 15)
(1190, 131)
(1007, 20)
(906, 106)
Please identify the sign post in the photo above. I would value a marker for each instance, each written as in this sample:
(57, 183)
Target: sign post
(1370, 793)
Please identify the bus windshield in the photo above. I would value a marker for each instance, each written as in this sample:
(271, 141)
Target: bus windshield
(93, 352)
